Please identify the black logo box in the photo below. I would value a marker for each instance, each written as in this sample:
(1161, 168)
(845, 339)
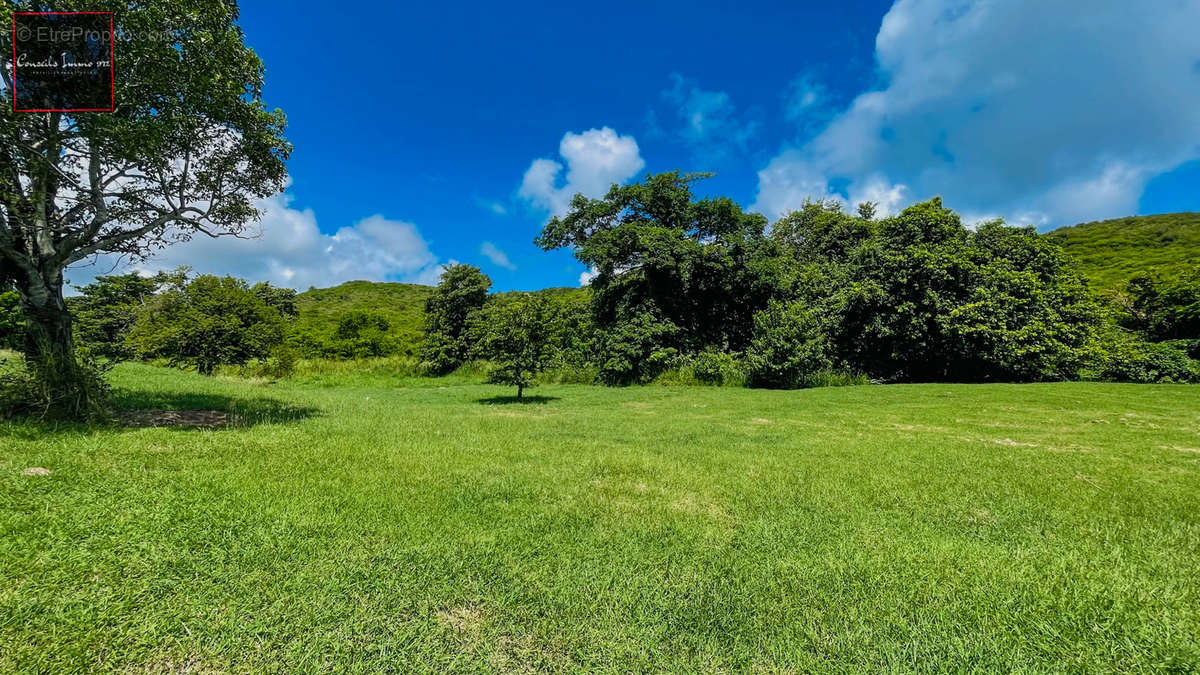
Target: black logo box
(63, 62)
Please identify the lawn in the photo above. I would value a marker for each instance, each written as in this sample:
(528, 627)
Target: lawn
(377, 524)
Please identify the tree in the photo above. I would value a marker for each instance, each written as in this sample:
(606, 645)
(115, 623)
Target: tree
(361, 334)
(106, 309)
(207, 322)
(282, 299)
(516, 335)
(918, 296)
(701, 266)
(1164, 309)
(461, 293)
(188, 150)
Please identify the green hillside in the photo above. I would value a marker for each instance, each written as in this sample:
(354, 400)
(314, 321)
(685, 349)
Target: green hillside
(403, 305)
(1111, 252)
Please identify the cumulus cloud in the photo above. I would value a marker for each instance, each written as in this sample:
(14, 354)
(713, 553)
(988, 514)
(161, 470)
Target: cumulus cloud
(498, 257)
(586, 276)
(595, 159)
(288, 249)
(711, 125)
(1050, 113)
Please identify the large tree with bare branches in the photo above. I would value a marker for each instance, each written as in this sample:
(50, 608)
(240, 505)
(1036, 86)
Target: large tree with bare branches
(187, 151)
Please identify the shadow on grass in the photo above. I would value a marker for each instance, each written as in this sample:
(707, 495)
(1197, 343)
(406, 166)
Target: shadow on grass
(197, 410)
(180, 411)
(508, 400)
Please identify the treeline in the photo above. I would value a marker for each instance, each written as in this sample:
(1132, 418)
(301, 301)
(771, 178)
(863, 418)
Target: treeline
(204, 322)
(697, 290)
(824, 295)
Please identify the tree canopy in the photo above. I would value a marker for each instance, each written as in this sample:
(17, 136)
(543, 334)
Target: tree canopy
(187, 151)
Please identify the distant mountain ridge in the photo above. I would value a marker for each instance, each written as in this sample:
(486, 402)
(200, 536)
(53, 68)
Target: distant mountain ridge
(1111, 252)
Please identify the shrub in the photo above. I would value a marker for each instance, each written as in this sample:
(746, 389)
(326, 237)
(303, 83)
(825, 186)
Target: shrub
(23, 394)
(715, 368)
(788, 348)
(1136, 361)
(632, 352)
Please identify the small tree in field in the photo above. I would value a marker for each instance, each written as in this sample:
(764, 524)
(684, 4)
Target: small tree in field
(516, 336)
(187, 151)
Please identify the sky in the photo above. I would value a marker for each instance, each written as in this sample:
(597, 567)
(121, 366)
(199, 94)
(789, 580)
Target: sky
(435, 133)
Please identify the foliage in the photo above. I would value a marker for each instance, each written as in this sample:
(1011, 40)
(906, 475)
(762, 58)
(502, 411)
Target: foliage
(700, 266)
(188, 152)
(1113, 252)
(321, 310)
(105, 310)
(1027, 316)
(1163, 309)
(516, 336)
(918, 296)
(361, 334)
(282, 299)
(12, 321)
(633, 351)
(788, 347)
(459, 295)
(1124, 358)
(206, 322)
(714, 367)
(24, 394)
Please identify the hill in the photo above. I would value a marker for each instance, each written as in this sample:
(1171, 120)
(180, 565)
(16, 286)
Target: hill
(1111, 252)
(403, 305)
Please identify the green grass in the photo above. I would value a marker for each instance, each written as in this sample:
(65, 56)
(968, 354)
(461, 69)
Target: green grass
(382, 524)
(1112, 252)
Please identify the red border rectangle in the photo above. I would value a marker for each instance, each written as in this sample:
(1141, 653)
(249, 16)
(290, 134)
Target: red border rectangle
(112, 65)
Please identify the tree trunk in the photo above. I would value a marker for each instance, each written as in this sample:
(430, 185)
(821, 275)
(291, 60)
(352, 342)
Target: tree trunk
(520, 391)
(50, 346)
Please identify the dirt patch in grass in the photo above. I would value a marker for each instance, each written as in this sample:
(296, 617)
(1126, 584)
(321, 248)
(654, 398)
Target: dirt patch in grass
(1015, 444)
(464, 619)
(175, 418)
(36, 471)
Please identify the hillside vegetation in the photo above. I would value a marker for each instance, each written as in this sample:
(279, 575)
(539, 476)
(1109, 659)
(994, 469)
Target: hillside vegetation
(403, 305)
(1111, 252)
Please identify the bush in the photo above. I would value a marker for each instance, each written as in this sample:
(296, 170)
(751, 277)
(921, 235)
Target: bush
(631, 352)
(715, 368)
(23, 394)
(788, 349)
(1146, 362)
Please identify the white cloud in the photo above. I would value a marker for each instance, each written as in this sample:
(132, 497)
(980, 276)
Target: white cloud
(595, 159)
(289, 250)
(498, 257)
(1050, 113)
(586, 276)
(804, 95)
(711, 126)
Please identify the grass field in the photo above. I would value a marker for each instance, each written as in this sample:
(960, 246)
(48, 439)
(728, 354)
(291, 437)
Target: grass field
(375, 524)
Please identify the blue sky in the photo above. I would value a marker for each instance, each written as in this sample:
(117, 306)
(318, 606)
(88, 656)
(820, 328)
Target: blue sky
(436, 132)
